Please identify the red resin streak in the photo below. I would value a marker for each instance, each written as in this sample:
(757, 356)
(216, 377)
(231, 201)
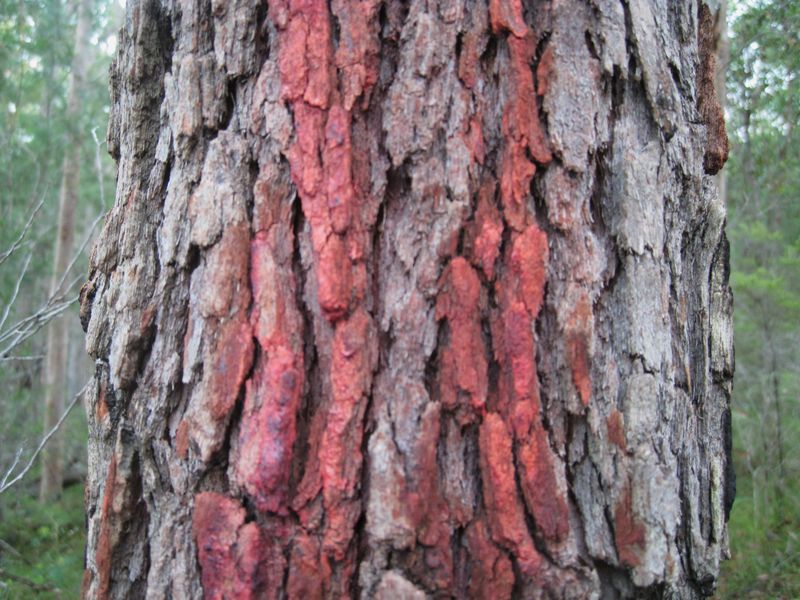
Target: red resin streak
(267, 434)
(521, 130)
(323, 88)
(628, 532)
(463, 367)
(491, 572)
(339, 454)
(236, 559)
(104, 542)
(503, 508)
(520, 299)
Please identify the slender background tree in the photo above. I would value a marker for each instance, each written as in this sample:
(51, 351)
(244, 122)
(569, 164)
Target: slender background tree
(55, 364)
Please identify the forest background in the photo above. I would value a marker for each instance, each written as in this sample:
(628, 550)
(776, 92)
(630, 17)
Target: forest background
(41, 542)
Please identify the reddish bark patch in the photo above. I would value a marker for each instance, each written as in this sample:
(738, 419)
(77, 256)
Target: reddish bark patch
(506, 15)
(529, 257)
(615, 427)
(543, 71)
(491, 573)
(236, 559)
(579, 362)
(215, 522)
(578, 332)
(468, 59)
(521, 130)
(463, 367)
(102, 406)
(340, 451)
(521, 296)
(485, 234)
(263, 461)
(629, 533)
(503, 508)
(182, 439)
(518, 385)
(305, 579)
(102, 558)
(433, 563)
(232, 358)
(474, 140)
(540, 488)
(358, 52)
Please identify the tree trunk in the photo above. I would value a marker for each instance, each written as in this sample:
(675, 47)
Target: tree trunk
(55, 367)
(405, 300)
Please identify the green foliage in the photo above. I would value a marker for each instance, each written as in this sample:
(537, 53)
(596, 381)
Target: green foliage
(764, 227)
(41, 545)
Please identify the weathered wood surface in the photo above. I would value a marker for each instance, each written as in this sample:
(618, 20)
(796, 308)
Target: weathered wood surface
(410, 299)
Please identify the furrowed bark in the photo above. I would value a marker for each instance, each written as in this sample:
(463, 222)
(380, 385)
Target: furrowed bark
(420, 299)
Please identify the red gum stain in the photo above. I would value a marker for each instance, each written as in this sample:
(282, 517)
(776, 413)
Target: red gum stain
(474, 140)
(521, 298)
(529, 257)
(522, 122)
(428, 506)
(463, 367)
(491, 572)
(104, 544)
(539, 487)
(304, 574)
(322, 158)
(358, 53)
(232, 361)
(506, 15)
(578, 334)
(268, 432)
(579, 363)
(338, 168)
(516, 172)
(628, 532)
(519, 386)
(615, 427)
(503, 508)
(468, 60)
(543, 71)
(102, 406)
(522, 132)
(485, 234)
(263, 459)
(237, 560)
(182, 439)
(215, 524)
(307, 502)
(340, 450)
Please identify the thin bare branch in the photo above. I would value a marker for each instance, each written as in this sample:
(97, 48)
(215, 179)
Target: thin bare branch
(16, 290)
(8, 483)
(18, 242)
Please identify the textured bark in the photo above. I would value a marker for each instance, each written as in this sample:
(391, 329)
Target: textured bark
(54, 376)
(406, 300)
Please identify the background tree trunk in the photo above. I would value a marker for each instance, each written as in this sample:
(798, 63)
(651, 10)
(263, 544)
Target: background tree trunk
(414, 299)
(57, 351)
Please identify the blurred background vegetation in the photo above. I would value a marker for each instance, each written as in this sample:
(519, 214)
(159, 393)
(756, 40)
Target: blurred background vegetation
(41, 544)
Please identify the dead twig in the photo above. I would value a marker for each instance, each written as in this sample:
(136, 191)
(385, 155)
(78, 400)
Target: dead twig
(8, 483)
